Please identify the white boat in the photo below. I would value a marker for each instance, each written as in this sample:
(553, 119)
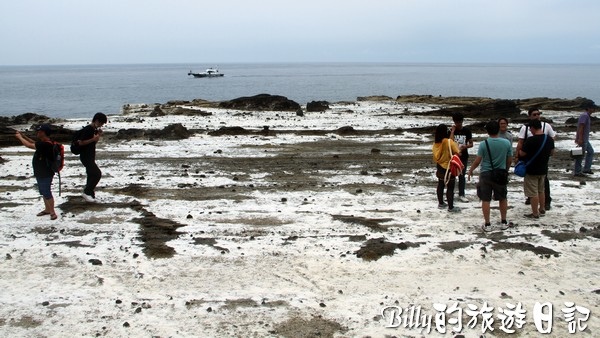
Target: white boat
(210, 72)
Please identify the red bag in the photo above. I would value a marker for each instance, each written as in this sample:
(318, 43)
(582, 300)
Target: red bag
(455, 166)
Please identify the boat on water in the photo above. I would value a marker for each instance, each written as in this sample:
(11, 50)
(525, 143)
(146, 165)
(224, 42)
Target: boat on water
(210, 72)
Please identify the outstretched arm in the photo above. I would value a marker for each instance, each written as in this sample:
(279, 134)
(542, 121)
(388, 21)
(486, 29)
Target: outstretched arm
(26, 141)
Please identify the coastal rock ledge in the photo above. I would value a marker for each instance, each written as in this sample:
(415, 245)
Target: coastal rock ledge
(262, 102)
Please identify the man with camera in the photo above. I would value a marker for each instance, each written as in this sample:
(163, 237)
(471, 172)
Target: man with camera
(582, 139)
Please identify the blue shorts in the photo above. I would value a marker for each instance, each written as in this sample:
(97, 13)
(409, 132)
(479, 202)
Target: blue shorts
(45, 186)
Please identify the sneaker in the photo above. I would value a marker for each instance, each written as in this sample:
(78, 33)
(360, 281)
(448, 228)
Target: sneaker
(455, 209)
(589, 172)
(505, 225)
(463, 199)
(542, 213)
(88, 198)
(487, 227)
(442, 206)
(532, 216)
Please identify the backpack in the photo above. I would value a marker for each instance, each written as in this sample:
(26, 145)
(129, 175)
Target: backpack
(57, 162)
(75, 147)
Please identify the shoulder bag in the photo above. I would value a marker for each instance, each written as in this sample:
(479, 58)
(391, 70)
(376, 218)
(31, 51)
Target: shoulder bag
(521, 166)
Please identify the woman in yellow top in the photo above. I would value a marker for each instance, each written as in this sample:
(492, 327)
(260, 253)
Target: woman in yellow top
(442, 153)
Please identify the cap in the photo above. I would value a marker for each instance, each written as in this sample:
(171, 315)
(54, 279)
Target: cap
(45, 128)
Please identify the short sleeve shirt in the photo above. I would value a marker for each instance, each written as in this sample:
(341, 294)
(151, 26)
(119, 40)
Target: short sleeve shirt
(587, 123)
(500, 150)
(43, 152)
(546, 127)
(539, 165)
(463, 136)
(88, 150)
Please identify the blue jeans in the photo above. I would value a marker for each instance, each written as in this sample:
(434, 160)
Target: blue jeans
(589, 157)
(45, 186)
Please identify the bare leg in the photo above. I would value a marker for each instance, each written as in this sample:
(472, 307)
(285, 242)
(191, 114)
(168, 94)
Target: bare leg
(535, 203)
(49, 207)
(485, 207)
(503, 208)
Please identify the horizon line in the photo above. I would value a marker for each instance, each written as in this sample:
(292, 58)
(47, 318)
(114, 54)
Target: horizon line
(308, 62)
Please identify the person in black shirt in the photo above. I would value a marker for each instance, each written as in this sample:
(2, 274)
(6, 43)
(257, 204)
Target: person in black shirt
(88, 137)
(537, 170)
(464, 138)
(41, 168)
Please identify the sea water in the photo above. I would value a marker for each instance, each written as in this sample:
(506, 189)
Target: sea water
(82, 90)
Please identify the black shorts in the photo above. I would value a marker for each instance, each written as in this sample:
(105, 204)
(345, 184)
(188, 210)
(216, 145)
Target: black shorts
(486, 188)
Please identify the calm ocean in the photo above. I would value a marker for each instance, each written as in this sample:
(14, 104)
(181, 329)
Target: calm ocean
(81, 91)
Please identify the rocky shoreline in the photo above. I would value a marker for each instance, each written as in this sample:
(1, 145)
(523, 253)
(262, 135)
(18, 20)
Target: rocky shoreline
(472, 107)
(280, 223)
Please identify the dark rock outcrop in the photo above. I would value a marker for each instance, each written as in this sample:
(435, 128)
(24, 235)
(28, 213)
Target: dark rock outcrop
(545, 103)
(317, 106)
(346, 130)
(186, 112)
(157, 111)
(171, 132)
(7, 133)
(374, 98)
(484, 106)
(230, 131)
(491, 109)
(261, 102)
(573, 121)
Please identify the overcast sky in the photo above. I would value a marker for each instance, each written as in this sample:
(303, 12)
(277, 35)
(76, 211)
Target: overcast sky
(43, 32)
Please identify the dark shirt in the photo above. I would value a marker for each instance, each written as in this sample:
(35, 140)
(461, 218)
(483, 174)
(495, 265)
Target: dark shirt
(463, 136)
(41, 159)
(88, 151)
(539, 166)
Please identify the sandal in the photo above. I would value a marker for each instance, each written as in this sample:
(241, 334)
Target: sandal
(53, 216)
(43, 213)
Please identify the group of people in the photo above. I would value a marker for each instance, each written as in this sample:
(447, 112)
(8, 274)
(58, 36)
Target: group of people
(495, 155)
(86, 140)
